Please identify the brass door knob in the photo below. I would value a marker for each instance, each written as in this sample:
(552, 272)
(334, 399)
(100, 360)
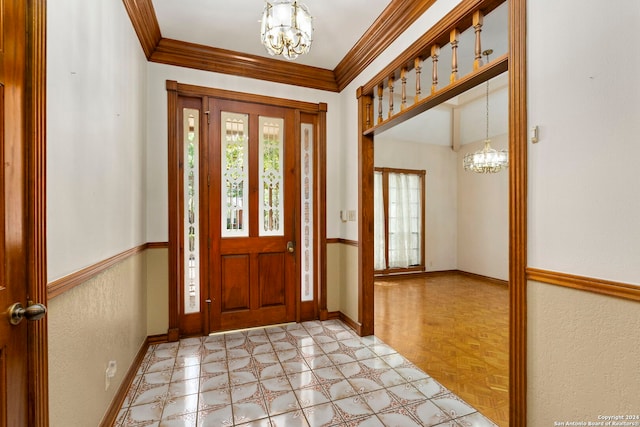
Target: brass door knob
(33, 312)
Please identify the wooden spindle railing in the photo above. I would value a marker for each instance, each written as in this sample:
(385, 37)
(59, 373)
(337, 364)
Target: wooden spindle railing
(435, 53)
(390, 85)
(478, 18)
(418, 67)
(454, 38)
(380, 93)
(385, 83)
(403, 79)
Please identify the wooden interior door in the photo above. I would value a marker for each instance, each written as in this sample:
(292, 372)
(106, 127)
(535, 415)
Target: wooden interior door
(252, 210)
(15, 203)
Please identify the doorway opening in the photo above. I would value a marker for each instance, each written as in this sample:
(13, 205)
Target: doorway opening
(458, 327)
(370, 101)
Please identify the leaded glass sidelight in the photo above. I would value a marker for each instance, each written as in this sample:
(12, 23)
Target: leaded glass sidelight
(235, 174)
(191, 261)
(306, 197)
(271, 185)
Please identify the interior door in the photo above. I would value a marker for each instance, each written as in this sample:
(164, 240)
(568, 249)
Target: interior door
(14, 202)
(252, 215)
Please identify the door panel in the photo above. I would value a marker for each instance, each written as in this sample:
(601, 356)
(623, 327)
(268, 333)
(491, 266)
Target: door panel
(3, 387)
(252, 206)
(13, 338)
(271, 279)
(235, 282)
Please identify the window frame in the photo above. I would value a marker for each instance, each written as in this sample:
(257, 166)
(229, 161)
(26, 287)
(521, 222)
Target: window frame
(385, 194)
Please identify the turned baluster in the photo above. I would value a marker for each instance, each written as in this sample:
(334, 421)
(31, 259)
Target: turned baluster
(454, 37)
(478, 17)
(390, 84)
(368, 114)
(418, 68)
(403, 78)
(380, 92)
(435, 53)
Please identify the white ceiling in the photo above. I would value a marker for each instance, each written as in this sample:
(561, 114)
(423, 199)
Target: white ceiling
(234, 25)
(338, 25)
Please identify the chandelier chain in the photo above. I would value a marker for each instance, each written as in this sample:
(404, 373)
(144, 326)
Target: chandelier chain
(487, 53)
(487, 111)
(486, 160)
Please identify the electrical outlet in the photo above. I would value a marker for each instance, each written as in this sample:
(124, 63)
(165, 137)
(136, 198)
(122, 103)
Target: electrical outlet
(352, 215)
(112, 368)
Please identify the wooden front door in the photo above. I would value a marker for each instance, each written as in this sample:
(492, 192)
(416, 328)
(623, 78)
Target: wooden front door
(252, 211)
(17, 339)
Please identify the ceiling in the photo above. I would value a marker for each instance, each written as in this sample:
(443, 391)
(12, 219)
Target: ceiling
(234, 25)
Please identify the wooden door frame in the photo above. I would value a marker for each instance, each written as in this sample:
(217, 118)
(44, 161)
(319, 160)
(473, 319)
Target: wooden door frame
(517, 214)
(176, 90)
(36, 248)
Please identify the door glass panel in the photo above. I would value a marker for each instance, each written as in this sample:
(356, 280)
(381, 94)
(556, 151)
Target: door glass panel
(306, 188)
(235, 174)
(271, 178)
(191, 260)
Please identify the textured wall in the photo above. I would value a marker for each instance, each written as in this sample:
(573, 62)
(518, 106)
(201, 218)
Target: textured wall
(334, 281)
(583, 356)
(101, 320)
(349, 267)
(157, 268)
(342, 272)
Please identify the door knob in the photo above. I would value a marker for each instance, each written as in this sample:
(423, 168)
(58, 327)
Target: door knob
(291, 247)
(33, 312)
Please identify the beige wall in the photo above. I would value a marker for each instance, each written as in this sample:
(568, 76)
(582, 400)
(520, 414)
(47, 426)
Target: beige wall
(349, 294)
(583, 355)
(101, 320)
(157, 268)
(342, 272)
(334, 276)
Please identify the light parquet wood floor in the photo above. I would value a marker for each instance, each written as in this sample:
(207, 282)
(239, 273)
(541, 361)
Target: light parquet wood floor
(456, 328)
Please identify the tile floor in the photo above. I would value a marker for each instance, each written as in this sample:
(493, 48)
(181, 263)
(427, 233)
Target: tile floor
(308, 374)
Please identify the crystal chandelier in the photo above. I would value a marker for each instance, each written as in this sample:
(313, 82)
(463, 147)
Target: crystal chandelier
(487, 160)
(287, 28)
